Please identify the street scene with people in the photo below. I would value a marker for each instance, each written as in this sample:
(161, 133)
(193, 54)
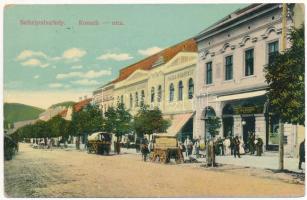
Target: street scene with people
(211, 116)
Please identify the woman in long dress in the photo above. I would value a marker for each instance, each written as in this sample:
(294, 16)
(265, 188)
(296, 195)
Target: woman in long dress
(241, 150)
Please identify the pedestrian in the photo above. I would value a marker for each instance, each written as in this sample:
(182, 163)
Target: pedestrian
(251, 144)
(145, 151)
(150, 146)
(241, 149)
(186, 144)
(232, 145)
(190, 148)
(259, 146)
(197, 146)
(301, 154)
(236, 146)
(226, 145)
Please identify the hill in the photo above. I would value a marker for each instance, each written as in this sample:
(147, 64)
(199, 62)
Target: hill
(65, 104)
(14, 112)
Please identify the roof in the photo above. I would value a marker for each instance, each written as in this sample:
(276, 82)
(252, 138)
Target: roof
(81, 104)
(235, 16)
(166, 54)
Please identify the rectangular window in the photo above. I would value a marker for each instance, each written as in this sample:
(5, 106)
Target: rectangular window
(209, 73)
(249, 62)
(228, 68)
(273, 51)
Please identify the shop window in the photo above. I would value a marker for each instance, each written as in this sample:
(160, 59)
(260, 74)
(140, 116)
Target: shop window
(272, 51)
(180, 88)
(171, 92)
(249, 62)
(191, 88)
(228, 68)
(209, 73)
(159, 93)
(152, 97)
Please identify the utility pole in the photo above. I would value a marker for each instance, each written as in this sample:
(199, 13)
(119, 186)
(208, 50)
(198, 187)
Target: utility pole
(283, 47)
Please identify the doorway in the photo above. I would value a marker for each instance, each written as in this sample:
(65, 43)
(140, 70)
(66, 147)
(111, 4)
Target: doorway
(248, 123)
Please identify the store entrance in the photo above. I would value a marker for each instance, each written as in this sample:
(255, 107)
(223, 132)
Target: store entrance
(248, 123)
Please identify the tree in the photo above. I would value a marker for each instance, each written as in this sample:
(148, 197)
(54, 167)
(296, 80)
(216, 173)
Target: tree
(118, 121)
(285, 77)
(213, 125)
(148, 121)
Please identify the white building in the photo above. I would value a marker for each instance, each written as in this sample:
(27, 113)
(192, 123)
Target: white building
(230, 78)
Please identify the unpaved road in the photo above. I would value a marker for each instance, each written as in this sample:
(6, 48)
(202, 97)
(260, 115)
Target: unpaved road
(61, 173)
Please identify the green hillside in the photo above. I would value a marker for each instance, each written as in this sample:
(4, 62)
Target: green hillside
(66, 104)
(14, 112)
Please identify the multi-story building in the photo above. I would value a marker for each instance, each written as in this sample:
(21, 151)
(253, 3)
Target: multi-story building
(97, 97)
(165, 80)
(230, 77)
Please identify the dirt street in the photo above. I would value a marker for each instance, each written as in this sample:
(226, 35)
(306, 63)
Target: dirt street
(72, 173)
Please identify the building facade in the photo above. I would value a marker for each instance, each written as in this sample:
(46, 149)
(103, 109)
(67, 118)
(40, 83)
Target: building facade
(230, 77)
(164, 80)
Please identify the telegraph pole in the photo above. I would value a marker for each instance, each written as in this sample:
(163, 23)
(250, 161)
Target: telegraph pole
(283, 47)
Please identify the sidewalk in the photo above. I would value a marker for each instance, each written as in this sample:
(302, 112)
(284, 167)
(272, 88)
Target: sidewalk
(270, 161)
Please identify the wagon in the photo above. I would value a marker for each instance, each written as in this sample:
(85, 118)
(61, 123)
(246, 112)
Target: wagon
(165, 148)
(99, 143)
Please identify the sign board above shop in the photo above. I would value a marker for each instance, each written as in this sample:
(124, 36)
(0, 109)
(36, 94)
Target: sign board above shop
(254, 105)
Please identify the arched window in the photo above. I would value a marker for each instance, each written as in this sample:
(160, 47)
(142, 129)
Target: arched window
(171, 92)
(180, 88)
(159, 93)
(191, 88)
(152, 99)
(136, 99)
(131, 101)
(142, 97)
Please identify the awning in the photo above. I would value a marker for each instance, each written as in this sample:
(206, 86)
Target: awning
(241, 96)
(178, 122)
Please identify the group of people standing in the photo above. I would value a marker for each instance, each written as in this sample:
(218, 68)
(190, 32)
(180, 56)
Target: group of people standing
(188, 147)
(235, 146)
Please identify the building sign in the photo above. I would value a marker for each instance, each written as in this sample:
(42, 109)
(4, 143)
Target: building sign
(180, 75)
(253, 105)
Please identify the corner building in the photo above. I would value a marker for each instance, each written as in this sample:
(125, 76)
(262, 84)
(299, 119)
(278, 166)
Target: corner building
(230, 78)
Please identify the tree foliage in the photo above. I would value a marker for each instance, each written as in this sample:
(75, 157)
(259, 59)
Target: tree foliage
(213, 126)
(148, 121)
(285, 77)
(118, 121)
(88, 120)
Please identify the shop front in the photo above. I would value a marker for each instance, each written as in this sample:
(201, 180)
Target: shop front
(243, 117)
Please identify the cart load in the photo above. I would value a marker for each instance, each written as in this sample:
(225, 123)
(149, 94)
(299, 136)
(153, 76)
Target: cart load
(165, 148)
(99, 143)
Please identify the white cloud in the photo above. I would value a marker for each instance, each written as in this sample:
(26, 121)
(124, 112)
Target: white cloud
(114, 56)
(88, 74)
(29, 54)
(77, 67)
(149, 51)
(33, 62)
(36, 76)
(73, 54)
(55, 85)
(85, 82)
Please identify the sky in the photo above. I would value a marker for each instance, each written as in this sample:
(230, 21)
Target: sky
(55, 53)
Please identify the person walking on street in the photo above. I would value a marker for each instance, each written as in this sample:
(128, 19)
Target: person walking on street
(301, 154)
(236, 143)
(259, 146)
(197, 146)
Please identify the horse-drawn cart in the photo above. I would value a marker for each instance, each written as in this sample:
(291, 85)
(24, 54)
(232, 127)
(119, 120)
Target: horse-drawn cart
(99, 143)
(165, 148)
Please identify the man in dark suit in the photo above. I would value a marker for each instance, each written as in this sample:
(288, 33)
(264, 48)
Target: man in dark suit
(302, 154)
